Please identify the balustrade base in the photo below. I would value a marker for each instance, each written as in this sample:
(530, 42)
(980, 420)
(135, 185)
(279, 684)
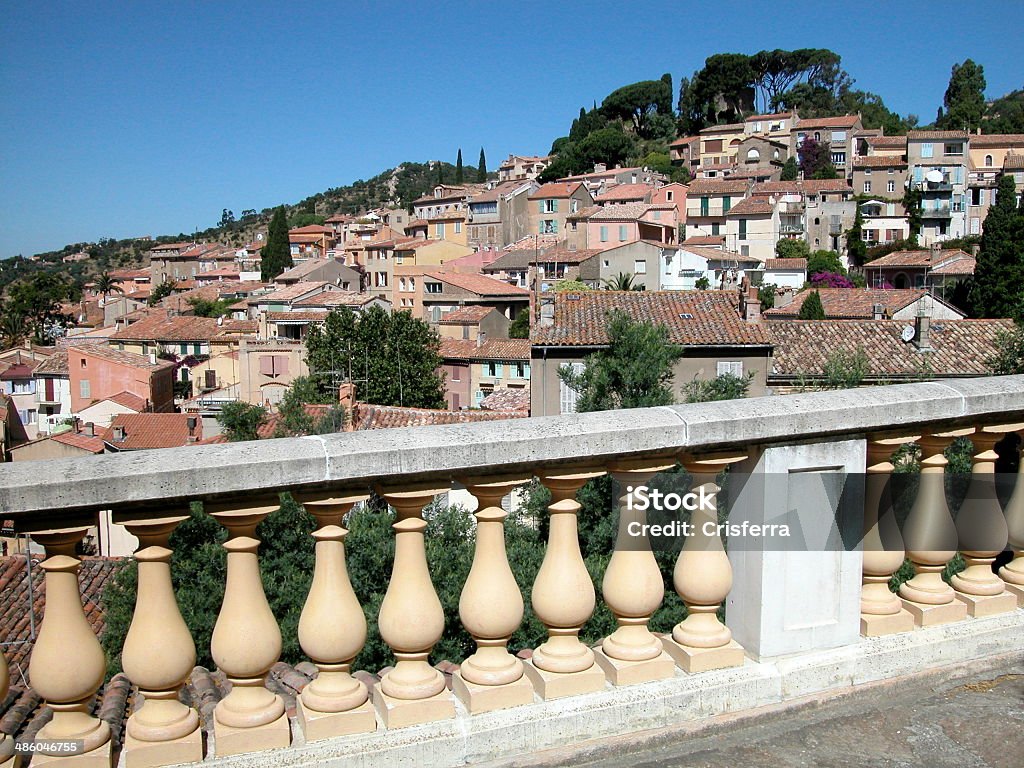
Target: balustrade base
(237, 741)
(876, 625)
(478, 698)
(401, 713)
(620, 672)
(1013, 589)
(97, 758)
(153, 754)
(930, 615)
(317, 726)
(557, 685)
(988, 605)
(690, 659)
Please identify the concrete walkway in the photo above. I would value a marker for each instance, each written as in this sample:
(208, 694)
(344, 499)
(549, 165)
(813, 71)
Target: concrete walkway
(967, 716)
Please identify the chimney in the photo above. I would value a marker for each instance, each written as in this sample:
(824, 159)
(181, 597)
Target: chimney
(191, 421)
(922, 332)
(152, 358)
(90, 429)
(600, 167)
(877, 312)
(751, 305)
(347, 395)
(119, 434)
(481, 338)
(975, 250)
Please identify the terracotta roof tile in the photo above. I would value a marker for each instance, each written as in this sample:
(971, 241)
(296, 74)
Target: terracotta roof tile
(998, 140)
(507, 399)
(880, 161)
(1013, 162)
(369, 416)
(720, 254)
(850, 303)
(726, 128)
(697, 318)
(922, 258)
(496, 349)
(122, 357)
(563, 255)
(842, 121)
(478, 284)
(79, 440)
(289, 293)
(925, 135)
(785, 264)
(887, 141)
(705, 240)
(700, 187)
(471, 314)
(684, 141)
(555, 189)
(335, 299)
(130, 400)
(620, 212)
(161, 327)
(625, 192)
(752, 206)
(152, 430)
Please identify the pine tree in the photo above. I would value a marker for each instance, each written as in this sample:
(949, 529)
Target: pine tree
(999, 274)
(965, 98)
(789, 170)
(481, 171)
(275, 256)
(812, 309)
(459, 176)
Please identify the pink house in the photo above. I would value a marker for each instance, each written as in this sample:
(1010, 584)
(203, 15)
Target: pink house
(98, 372)
(616, 225)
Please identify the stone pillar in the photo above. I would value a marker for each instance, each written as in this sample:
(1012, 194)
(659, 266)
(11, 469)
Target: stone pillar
(158, 656)
(881, 612)
(702, 578)
(982, 533)
(246, 643)
(411, 619)
(1013, 572)
(7, 757)
(563, 596)
(332, 631)
(817, 490)
(67, 665)
(931, 539)
(491, 608)
(633, 588)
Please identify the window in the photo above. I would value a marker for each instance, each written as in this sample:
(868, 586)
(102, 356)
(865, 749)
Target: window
(382, 279)
(456, 373)
(753, 156)
(567, 396)
(757, 125)
(734, 368)
(493, 370)
(988, 161)
(668, 196)
(838, 135)
(521, 370)
(743, 229)
(549, 206)
(458, 227)
(432, 288)
(975, 225)
(817, 136)
(623, 232)
(607, 264)
(575, 205)
(604, 234)
(891, 186)
(839, 158)
(640, 267)
(705, 206)
(548, 226)
(716, 229)
(953, 149)
(867, 171)
(867, 186)
(401, 284)
(926, 150)
(726, 204)
(84, 390)
(439, 230)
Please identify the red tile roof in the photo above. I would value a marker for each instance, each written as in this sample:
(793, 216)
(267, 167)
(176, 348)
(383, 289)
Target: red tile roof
(960, 347)
(769, 117)
(700, 187)
(19, 371)
(752, 206)
(964, 266)
(469, 314)
(694, 318)
(726, 128)
(478, 284)
(925, 135)
(496, 349)
(785, 265)
(625, 192)
(705, 240)
(124, 358)
(843, 121)
(921, 258)
(684, 141)
(369, 416)
(161, 327)
(720, 254)
(507, 399)
(1013, 162)
(290, 293)
(129, 400)
(335, 299)
(55, 365)
(152, 430)
(879, 161)
(850, 303)
(563, 255)
(79, 440)
(312, 229)
(555, 189)
(620, 212)
(998, 140)
(887, 141)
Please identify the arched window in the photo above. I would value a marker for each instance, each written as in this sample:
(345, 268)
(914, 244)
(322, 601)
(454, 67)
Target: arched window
(775, 155)
(817, 136)
(988, 161)
(817, 222)
(753, 156)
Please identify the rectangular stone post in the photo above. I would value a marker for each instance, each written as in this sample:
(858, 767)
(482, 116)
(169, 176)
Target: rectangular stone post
(803, 596)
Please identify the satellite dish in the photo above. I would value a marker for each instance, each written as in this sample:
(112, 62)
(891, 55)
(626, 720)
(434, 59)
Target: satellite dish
(933, 177)
(908, 333)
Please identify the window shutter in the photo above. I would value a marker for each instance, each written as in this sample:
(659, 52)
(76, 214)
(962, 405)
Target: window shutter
(281, 365)
(540, 206)
(48, 384)
(267, 365)
(554, 226)
(554, 206)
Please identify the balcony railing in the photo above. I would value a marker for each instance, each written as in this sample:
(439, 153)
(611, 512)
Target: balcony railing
(773, 609)
(938, 212)
(791, 229)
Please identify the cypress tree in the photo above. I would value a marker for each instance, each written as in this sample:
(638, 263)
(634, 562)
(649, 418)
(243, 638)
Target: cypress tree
(1000, 269)
(440, 172)
(275, 256)
(481, 171)
(459, 175)
(856, 248)
(812, 309)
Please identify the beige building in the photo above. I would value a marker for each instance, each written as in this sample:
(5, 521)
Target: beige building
(708, 202)
(839, 133)
(268, 367)
(551, 203)
(522, 167)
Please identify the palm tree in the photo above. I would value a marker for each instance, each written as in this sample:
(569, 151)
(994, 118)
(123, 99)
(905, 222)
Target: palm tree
(621, 282)
(106, 284)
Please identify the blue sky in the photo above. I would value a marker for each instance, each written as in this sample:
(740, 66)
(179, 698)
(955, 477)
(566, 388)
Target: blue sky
(127, 119)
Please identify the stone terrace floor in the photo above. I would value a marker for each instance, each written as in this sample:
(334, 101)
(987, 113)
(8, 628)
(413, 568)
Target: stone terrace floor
(971, 715)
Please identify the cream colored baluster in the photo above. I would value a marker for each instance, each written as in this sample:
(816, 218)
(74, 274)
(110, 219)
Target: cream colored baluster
(1013, 572)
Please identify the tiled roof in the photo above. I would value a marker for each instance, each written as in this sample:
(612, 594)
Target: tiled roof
(850, 303)
(704, 240)
(998, 140)
(700, 187)
(471, 313)
(289, 293)
(786, 265)
(532, 242)
(842, 121)
(152, 430)
(925, 135)
(335, 299)
(887, 141)
(601, 174)
(507, 399)
(79, 440)
(21, 370)
(962, 266)
(879, 161)
(961, 347)
(303, 269)
(491, 195)
(555, 189)
(369, 416)
(1013, 162)
(496, 349)
(752, 206)
(684, 141)
(769, 117)
(122, 357)
(620, 212)
(478, 284)
(813, 186)
(922, 258)
(312, 229)
(130, 400)
(563, 255)
(583, 213)
(720, 254)
(727, 128)
(625, 192)
(699, 318)
(312, 315)
(161, 327)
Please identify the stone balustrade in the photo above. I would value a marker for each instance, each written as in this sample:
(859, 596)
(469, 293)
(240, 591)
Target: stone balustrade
(774, 443)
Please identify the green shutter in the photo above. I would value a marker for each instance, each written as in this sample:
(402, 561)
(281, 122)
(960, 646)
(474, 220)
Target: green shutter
(726, 204)
(554, 209)
(540, 206)
(554, 226)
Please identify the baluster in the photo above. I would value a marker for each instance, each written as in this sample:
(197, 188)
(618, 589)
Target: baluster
(411, 619)
(246, 643)
(332, 631)
(881, 612)
(7, 757)
(633, 588)
(563, 597)
(982, 532)
(1013, 571)
(67, 665)
(702, 578)
(491, 608)
(931, 539)
(158, 656)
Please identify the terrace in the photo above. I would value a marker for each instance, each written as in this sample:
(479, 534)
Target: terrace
(781, 639)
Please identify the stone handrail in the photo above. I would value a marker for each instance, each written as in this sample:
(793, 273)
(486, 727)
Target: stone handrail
(155, 478)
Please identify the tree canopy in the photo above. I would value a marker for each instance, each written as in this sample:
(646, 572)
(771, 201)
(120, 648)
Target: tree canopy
(964, 100)
(636, 103)
(276, 255)
(481, 169)
(812, 309)
(999, 274)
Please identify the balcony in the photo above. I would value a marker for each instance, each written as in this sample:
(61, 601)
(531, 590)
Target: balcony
(791, 229)
(938, 212)
(783, 638)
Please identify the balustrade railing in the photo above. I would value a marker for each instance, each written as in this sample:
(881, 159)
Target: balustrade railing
(149, 492)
